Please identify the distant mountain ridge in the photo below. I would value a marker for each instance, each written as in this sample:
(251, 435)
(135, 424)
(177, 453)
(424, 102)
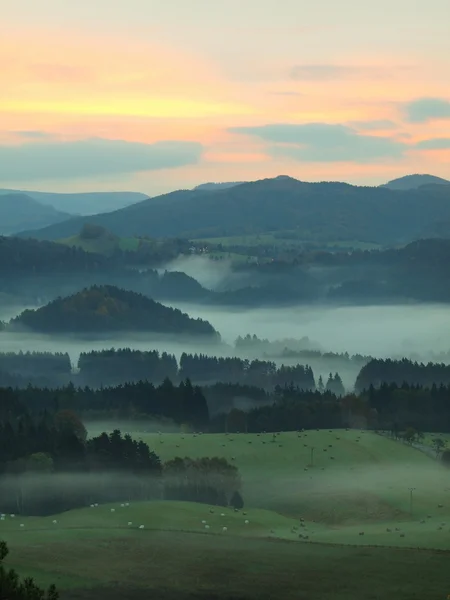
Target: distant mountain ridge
(19, 211)
(413, 182)
(83, 203)
(326, 210)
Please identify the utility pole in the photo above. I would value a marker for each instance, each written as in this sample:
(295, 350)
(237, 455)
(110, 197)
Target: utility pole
(312, 455)
(411, 499)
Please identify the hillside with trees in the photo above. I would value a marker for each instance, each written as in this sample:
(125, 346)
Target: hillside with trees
(327, 210)
(108, 309)
(20, 211)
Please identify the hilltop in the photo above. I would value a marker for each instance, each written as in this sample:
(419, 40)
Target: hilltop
(327, 210)
(413, 182)
(19, 211)
(108, 308)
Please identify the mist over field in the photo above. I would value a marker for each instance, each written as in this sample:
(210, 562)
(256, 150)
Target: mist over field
(379, 331)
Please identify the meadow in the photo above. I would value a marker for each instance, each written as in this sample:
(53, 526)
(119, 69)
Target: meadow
(328, 514)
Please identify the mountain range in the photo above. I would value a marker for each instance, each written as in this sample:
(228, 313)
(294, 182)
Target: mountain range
(83, 203)
(326, 210)
(19, 211)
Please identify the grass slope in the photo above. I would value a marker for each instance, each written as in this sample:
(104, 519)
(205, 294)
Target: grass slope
(365, 481)
(95, 553)
(106, 244)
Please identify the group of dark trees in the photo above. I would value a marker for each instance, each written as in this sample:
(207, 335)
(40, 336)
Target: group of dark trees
(109, 308)
(48, 465)
(378, 371)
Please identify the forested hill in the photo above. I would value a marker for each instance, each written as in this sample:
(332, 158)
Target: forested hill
(107, 309)
(328, 210)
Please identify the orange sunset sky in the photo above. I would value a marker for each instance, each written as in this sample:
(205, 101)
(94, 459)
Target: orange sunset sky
(153, 95)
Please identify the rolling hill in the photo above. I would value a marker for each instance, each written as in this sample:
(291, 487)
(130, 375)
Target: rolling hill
(413, 182)
(107, 308)
(83, 203)
(328, 210)
(19, 211)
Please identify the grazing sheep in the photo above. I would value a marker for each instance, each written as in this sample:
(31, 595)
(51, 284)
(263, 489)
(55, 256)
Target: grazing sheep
(306, 537)
(280, 445)
(12, 516)
(325, 450)
(264, 442)
(305, 445)
(2, 518)
(22, 525)
(122, 505)
(249, 442)
(178, 445)
(331, 457)
(246, 521)
(204, 522)
(236, 510)
(222, 514)
(224, 528)
(206, 526)
(141, 527)
(130, 523)
(330, 445)
(92, 506)
(113, 510)
(439, 528)
(54, 522)
(95, 504)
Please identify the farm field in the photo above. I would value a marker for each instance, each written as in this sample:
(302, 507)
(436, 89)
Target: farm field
(343, 528)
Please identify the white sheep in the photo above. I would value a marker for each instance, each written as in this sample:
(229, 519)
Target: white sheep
(246, 521)
(224, 528)
(204, 522)
(22, 525)
(206, 526)
(141, 527)
(222, 514)
(12, 516)
(92, 506)
(122, 505)
(113, 510)
(130, 523)
(95, 504)
(54, 521)
(127, 504)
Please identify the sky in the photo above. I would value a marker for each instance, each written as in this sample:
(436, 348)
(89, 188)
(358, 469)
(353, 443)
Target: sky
(152, 95)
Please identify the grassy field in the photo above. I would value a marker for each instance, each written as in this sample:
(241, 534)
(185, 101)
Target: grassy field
(105, 244)
(263, 239)
(360, 537)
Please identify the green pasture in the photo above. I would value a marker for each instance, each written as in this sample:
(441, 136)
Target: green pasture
(372, 522)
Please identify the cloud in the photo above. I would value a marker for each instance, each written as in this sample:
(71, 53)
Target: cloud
(91, 158)
(381, 125)
(329, 72)
(427, 109)
(434, 144)
(323, 142)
